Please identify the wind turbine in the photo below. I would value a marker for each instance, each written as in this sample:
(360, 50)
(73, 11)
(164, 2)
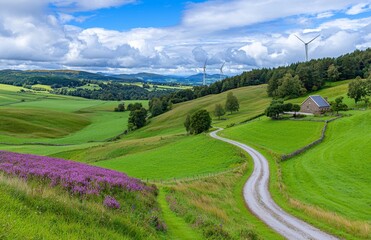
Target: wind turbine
(306, 45)
(221, 71)
(204, 80)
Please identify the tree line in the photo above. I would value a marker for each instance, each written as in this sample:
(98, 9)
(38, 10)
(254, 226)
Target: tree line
(284, 82)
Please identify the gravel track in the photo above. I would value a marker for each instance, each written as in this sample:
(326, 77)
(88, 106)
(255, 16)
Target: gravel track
(260, 202)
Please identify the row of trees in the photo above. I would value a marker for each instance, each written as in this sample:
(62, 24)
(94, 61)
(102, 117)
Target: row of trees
(288, 81)
(278, 107)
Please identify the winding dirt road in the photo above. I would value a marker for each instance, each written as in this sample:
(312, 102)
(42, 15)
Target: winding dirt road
(260, 202)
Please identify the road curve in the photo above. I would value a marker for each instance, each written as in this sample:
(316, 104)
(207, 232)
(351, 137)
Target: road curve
(260, 202)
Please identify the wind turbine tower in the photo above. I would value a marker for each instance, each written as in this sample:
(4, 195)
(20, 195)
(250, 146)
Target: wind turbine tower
(306, 45)
(204, 80)
(221, 71)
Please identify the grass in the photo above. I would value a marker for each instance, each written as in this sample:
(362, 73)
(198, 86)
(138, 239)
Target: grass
(69, 120)
(31, 123)
(214, 207)
(177, 228)
(37, 212)
(41, 86)
(279, 136)
(188, 156)
(328, 185)
(335, 174)
(161, 151)
(253, 100)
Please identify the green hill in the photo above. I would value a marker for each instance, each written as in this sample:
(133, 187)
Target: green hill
(162, 150)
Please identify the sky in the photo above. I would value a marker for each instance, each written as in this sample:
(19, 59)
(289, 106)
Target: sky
(176, 37)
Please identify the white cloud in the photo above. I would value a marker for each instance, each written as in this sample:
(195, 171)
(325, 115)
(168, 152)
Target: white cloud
(325, 15)
(221, 15)
(88, 5)
(359, 8)
(34, 38)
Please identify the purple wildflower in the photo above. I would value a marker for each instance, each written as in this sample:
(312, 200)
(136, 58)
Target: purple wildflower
(76, 178)
(111, 202)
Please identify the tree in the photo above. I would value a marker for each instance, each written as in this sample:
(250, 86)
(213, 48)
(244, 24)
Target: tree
(156, 107)
(290, 87)
(295, 108)
(338, 105)
(120, 107)
(135, 106)
(187, 123)
(232, 105)
(200, 121)
(137, 119)
(357, 89)
(275, 109)
(219, 111)
(333, 73)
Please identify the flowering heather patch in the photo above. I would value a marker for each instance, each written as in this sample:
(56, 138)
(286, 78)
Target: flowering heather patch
(77, 178)
(111, 202)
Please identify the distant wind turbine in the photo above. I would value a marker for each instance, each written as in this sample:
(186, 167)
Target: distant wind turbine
(221, 71)
(204, 80)
(306, 45)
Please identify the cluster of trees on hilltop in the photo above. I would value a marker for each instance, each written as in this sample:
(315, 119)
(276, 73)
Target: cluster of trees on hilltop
(286, 81)
(54, 82)
(107, 91)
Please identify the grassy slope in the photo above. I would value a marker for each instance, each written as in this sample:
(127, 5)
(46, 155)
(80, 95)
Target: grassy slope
(176, 226)
(335, 174)
(313, 178)
(185, 157)
(279, 136)
(42, 116)
(35, 123)
(253, 101)
(34, 212)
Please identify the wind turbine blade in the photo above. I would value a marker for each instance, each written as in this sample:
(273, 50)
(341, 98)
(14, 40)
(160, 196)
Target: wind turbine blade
(314, 38)
(221, 68)
(300, 39)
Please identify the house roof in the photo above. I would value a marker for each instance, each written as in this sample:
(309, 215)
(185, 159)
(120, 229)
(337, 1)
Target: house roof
(320, 101)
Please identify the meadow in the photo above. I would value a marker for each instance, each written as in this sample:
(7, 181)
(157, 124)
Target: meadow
(65, 199)
(308, 185)
(162, 150)
(335, 175)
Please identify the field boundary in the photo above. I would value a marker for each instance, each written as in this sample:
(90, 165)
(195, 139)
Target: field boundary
(191, 178)
(310, 145)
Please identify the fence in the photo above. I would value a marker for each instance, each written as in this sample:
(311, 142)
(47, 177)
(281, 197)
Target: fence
(191, 178)
(305, 148)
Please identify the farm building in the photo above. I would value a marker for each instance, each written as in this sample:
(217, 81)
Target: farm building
(315, 104)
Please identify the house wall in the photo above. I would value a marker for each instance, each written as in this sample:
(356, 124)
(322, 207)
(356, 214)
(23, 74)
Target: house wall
(309, 106)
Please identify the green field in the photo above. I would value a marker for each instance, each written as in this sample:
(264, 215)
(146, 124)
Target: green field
(30, 211)
(185, 157)
(311, 180)
(162, 150)
(279, 136)
(335, 175)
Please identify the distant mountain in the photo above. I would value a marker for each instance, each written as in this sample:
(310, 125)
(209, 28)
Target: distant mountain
(196, 79)
(77, 75)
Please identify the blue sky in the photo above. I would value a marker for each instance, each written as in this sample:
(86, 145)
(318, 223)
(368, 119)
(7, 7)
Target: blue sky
(175, 37)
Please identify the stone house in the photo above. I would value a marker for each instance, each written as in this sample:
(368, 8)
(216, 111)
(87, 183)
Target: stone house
(315, 105)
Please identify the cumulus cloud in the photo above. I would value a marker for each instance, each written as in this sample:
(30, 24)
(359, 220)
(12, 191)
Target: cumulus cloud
(220, 15)
(359, 8)
(220, 31)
